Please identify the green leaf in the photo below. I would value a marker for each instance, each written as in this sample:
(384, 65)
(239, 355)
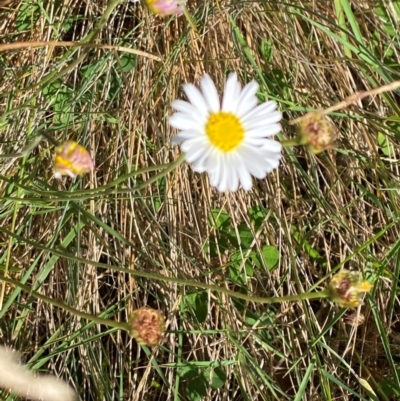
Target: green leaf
(198, 304)
(68, 23)
(385, 144)
(249, 270)
(245, 234)
(220, 219)
(266, 319)
(267, 49)
(390, 388)
(216, 375)
(257, 216)
(188, 372)
(27, 16)
(301, 238)
(216, 246)
(59, 94)
(269, 257)
(234, 273)
(88, 71)
(196, 389)
(385, 19)
(10, 268)
(236, 270)
(128, 62)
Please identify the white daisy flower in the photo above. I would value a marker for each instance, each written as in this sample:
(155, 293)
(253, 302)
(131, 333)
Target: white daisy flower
(229, 140)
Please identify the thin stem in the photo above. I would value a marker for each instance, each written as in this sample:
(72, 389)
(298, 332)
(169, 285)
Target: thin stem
(42, 134)
(62, 305)
(50, 43)
(353, 99)
(291, 142)
(108, 188)
(46, 134)
(172, 166)
(175, 280)
(192, 283)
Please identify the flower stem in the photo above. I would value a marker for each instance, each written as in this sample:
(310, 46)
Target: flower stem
(46, 134)
(42, 134)
(62, 305)
(160, 277)
(291, 142)
(172, 166)
(109, 189)
(124, 326)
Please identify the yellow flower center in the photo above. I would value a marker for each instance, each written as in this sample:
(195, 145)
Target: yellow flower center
(225, 131)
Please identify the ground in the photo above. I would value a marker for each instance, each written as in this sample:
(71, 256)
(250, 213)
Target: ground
(87, 241)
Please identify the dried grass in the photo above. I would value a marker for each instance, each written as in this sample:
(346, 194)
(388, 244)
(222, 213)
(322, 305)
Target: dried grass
(338, 202)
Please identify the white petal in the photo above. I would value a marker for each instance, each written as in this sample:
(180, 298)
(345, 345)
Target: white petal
(263, 132)
(195, 155)
(271, 164)
(210, 93)
(238, 90)
(191, 146)
(20, 380)
(214, 166)
(264, 121)
(272, 146)
(233, 179)
(182, 136)
(257, 170)
(231, 94)
(254, 161)
(200, 165)
(197, 152)
(270, 154)
(233, 184)
(212, 161)
(247, 100)
(189, 109)
(182, 106)
(214, 178)
(196, 98)
(255, 141)
(262, 110)
(185, 122)
(244, 177)
(223, 178)
(272, 129)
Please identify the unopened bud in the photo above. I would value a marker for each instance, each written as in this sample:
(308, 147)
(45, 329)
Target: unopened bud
(71, 159)
(166, 7)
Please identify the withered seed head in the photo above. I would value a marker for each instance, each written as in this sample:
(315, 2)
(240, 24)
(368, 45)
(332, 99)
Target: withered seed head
(147, 326)
(354, 319)
(347, 288)
(317, 132)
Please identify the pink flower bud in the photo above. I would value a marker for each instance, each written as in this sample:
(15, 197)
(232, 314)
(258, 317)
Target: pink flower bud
(166, 7)
(72, 159)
